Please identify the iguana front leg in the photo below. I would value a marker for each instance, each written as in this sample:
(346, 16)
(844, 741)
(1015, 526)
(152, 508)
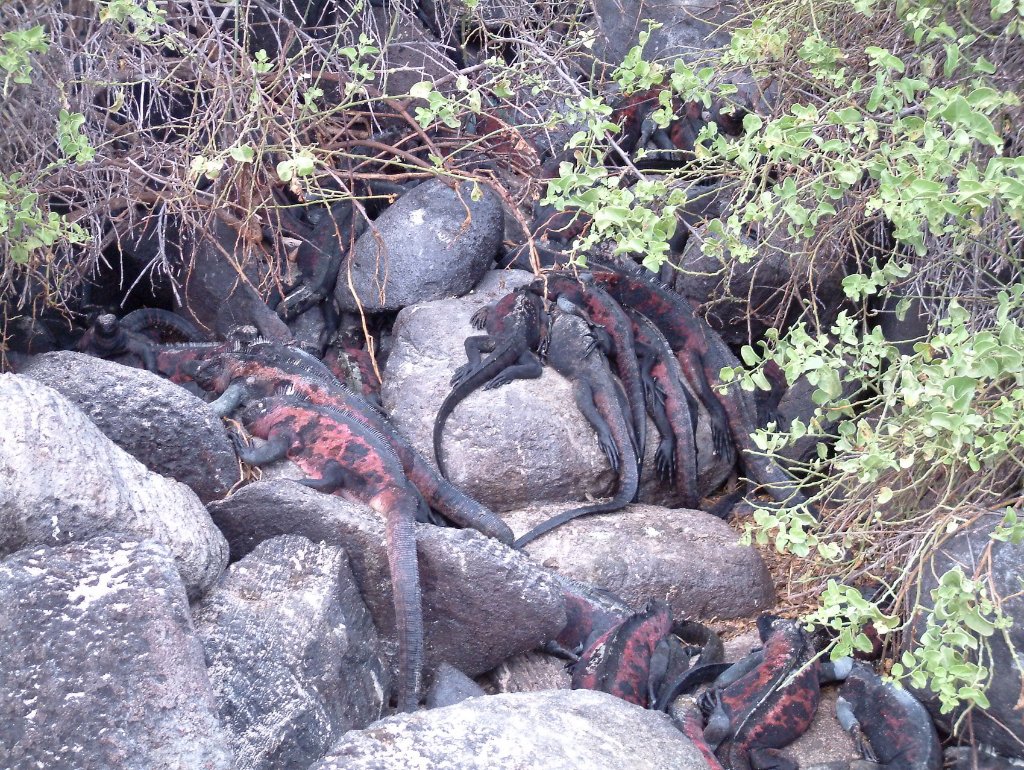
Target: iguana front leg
(475, 348)
(334, 477)
(693, 367)
(585, 401)
(276, 448)
(228, 401)
(527, 367)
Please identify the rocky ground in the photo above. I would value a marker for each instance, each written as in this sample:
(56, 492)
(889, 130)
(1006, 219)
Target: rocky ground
(167, 605)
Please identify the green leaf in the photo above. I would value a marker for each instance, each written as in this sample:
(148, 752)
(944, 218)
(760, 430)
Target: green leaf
(243, 153)
(421, 90)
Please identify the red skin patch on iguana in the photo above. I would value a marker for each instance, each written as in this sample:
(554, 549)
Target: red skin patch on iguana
(783, 704)
(619, 661)
(376, 479)
(691, 723)
(173, 361)
(438, 492)
(369, 384)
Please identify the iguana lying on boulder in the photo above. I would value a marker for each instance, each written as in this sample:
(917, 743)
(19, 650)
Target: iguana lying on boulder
(346, 458)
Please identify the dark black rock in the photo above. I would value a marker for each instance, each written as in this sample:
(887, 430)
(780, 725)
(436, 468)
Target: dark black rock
(292, 653)
(688, 27)
(482, 602)
(160, 424)
(217, 297)
(101, 666)
(433, 242)
(1001, 726)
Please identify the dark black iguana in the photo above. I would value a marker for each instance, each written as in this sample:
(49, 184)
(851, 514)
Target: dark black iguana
(515, 326)
(575, 353)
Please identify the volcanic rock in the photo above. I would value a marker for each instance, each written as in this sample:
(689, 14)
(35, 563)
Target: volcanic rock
(560, 730)
(433, 242)
(482, 602)
(160, 424)
(691, 559)
(64, 481)
(101, 666)
(292, 653)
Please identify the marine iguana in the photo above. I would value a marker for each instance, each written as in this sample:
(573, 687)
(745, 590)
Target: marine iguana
(107, 338)
(352, 363)
(606, 313)
(889, 726)
(574, 353)
(260, 368)
(619, 661)
(686, 716)
(671, 407)
(767, 701)
(319, 259)
(514, 329)
(164, 323)
(702, 356)
(345, 457)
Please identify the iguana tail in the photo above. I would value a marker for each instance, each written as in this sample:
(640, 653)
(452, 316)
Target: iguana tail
(629, 478)
(399, 510)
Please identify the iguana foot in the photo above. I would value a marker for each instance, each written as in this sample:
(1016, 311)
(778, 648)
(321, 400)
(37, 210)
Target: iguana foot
(479, 318)
(720, 439)
(665, 459)
(462, 374)
(610, 450)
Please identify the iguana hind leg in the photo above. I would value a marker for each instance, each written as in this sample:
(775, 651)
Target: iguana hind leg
(276, 448)
(528, 367)
(335, 476)
(475, 348)
(585, 401)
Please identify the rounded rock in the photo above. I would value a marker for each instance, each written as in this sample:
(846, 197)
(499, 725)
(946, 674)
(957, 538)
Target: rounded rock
(435, 241)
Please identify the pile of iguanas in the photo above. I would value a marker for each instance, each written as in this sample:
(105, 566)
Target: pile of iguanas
(342, 441)
(346, 446)
(666, 361)
(750, 709)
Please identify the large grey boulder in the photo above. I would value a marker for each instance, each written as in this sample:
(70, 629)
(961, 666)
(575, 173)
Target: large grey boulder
(522, 443)
(1000, 565)
(559, 730)
(292, 653)
(160, 424)
(434, 241)
(482, 601)
(64, 481)
(691, 559)
(101, 667)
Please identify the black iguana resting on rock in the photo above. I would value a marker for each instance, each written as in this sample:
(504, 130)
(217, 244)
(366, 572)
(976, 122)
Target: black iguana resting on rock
(515, 326)
(606, 313)
(575, 353)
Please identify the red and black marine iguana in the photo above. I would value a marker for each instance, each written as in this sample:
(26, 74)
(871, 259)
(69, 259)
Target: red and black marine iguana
(671, 408)
(606, 313)
(702, 357)
(768, 700)
(575, 353)
(260, 368)
(343, 457)
(515, 326)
